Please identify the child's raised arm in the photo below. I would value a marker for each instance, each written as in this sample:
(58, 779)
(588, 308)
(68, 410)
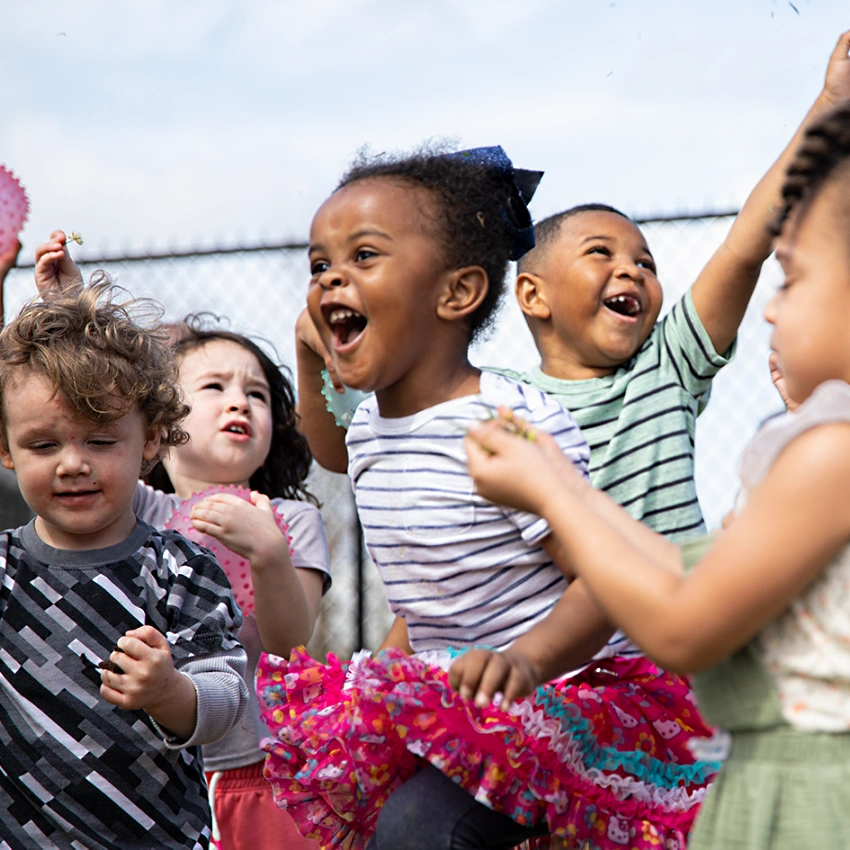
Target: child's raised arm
(7, 262)
(794, 524)
(325, 437)
(54, 268)
(723, 289)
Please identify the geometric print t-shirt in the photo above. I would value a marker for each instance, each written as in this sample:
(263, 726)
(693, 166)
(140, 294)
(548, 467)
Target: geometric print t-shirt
(75, 770)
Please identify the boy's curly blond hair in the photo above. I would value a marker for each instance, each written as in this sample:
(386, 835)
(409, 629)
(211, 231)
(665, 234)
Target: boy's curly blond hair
(104, 355)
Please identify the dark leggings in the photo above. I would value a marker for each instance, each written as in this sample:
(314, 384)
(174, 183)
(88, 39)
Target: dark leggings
(430, 812)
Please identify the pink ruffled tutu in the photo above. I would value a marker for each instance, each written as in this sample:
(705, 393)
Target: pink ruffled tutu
(602, 757)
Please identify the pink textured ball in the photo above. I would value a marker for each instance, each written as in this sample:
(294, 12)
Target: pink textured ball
(237, 568)
(14, 207)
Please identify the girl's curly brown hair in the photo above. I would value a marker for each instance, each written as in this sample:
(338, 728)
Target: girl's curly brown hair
(825, 149)
(103, 354)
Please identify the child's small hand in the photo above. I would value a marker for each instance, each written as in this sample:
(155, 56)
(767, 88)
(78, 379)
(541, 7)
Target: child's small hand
(310, 344)
(483, 673)
(8, 259)
(247, 528)
(147, 677)
(837, 85)
(54, 268)
(779, 382)
(511, 469)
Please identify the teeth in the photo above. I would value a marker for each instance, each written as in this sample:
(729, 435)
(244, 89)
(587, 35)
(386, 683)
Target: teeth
(341, 315)
(236, 429)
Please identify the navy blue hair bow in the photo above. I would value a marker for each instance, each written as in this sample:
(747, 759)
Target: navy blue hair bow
(521, 185)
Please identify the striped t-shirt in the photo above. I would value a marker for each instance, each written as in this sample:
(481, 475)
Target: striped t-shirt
(640, 421)
(460, 569)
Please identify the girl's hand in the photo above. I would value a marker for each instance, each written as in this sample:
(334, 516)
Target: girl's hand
(483, 673)
(247, 528)
(8, 259)
(54, 268)
(309, 345)
(779, 382)
(516, 470)
(149, 682)
(837, 85)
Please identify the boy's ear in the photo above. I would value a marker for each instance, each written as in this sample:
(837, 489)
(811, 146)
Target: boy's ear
(6, 458)
(462, 296)
(153, 438)
(531, 295)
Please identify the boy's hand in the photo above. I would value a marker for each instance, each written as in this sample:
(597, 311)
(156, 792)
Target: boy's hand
(310, 345)
(483, 673)
(779, 382)
(54, 268)
(247, 528)
(149, 681)
(837, 85)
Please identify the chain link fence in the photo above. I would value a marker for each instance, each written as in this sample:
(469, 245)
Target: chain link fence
(261, 288)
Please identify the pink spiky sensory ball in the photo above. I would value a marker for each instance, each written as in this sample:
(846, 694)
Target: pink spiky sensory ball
(14, 207)
(237, 568)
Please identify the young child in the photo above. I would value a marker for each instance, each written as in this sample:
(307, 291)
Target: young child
(408, 258)
(242, 433)
(764, 619)
(118, 649)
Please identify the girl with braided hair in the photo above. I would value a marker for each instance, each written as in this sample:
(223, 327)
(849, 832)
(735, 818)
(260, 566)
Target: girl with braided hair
(763, 621)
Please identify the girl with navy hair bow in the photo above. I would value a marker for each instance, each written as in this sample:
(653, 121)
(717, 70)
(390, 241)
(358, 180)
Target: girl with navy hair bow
(408, 259)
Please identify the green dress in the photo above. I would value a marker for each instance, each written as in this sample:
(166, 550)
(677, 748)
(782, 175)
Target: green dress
(781, 788)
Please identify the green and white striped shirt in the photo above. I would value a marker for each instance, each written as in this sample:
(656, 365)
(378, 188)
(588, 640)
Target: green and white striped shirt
(640, 421)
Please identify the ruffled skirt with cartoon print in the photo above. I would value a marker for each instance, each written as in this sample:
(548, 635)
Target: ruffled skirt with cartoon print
(602, 757)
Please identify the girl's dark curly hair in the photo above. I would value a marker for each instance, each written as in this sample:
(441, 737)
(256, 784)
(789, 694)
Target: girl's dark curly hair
(102, 353)
(288, 462)
(824, 149)
(469, 200)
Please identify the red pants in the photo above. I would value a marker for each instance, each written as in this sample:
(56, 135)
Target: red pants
(246, 816)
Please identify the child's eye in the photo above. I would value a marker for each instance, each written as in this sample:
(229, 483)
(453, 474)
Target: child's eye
(257, 394)
(41, 446)
(100, 442)
(318, 267)
(364, 254)
(647, 264)
(212, 385)
(599, 249)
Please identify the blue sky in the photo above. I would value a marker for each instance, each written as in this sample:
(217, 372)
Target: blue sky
(155, 123)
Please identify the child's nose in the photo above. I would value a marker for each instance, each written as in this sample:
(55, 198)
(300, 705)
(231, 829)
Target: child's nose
(237, 402)
(331, 278)
(73, 462)
(630, 269)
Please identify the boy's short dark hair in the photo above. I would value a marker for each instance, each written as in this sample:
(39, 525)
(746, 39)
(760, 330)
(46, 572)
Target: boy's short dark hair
(105, 357)
(548, 229)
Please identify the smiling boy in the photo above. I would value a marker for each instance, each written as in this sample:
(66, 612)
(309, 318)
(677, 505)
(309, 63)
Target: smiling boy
(118, 657)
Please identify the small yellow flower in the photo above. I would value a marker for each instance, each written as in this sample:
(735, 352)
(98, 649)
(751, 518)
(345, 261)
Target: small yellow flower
(74, 237)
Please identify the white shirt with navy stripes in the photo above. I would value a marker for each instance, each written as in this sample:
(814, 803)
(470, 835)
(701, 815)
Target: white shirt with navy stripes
(461, 570)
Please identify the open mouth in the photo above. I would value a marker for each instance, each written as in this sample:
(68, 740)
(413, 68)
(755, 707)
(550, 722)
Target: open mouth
(237, 429)
(625, 305)
(346, 325)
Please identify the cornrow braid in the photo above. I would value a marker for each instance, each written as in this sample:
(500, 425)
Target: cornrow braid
(825, 146)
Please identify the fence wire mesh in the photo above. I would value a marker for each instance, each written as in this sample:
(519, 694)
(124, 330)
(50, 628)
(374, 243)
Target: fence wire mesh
(261, 288)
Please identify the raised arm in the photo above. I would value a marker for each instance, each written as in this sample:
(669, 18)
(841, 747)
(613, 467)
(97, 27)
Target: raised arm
(325, 437)
(723, 289)
(54, 268)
